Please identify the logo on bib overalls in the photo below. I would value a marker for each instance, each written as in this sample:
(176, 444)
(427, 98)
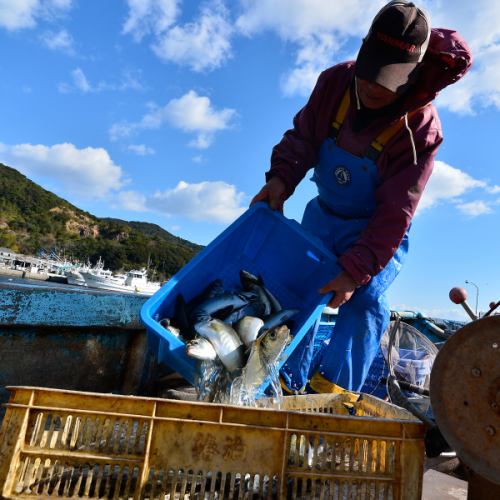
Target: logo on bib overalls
(342, 175)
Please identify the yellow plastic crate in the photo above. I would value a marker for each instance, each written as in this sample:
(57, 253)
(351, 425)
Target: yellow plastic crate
(67, 444)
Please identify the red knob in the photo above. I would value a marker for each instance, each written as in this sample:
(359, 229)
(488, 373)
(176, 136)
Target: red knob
(458, 295)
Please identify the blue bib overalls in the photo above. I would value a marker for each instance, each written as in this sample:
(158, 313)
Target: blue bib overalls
(343, 207)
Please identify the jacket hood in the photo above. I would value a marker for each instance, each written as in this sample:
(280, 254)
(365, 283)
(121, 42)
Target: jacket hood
(447, 59)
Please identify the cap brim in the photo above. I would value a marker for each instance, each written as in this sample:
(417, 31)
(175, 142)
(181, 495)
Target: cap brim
(393, 77)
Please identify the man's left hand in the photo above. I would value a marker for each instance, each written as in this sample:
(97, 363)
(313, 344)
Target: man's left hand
(343, 286)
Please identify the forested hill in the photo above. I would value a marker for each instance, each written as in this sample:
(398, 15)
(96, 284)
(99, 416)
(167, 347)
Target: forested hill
(32, 218)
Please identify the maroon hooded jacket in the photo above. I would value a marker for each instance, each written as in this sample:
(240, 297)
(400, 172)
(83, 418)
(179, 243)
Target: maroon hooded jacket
(403, 176)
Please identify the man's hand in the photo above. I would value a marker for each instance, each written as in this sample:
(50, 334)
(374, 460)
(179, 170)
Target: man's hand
(273, 193)
(343, 286)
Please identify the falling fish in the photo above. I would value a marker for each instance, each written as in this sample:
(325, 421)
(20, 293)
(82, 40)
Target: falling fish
(225, 341)
(248, 328)
(201, 348)
(264, 354)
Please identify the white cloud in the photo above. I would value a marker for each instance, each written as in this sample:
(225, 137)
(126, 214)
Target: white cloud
(205, 201)
(474, 208)
(297, 19)
(480, 88)
(318, 29)
(131, 200)
(447, 183)
(128, 81)
(453, 313)
(150, 17)
(87, 171)
(20, 14)
(141, 149)
(202, 45)
(60, 41)
(479, 23)
(313, 56)
(80, 80)
(190, 113)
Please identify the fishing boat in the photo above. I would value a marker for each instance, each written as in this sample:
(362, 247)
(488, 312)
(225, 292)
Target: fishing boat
(135, 281)
(71, 337)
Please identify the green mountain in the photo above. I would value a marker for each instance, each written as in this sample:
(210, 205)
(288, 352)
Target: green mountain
(32, 218)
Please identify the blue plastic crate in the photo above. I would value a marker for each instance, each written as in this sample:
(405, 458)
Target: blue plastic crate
(293, 264)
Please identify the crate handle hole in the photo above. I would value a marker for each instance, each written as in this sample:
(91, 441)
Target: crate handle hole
(314, 257)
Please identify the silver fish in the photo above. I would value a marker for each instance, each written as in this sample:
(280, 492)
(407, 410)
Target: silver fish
(249, 281)
(225, 341)
(263, 300)
(165, 322)
(201, 348)
(248, 328)
(278, 318)
(213, 289)
(275, 305)
(264, 355)
(237, 314)
(248, 278)
(207, 381)
(207, 308)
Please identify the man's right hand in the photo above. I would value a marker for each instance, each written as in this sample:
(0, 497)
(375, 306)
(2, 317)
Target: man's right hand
(273, 193)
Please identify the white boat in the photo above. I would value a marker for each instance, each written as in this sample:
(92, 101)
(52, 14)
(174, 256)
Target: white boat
(132, 282)
(74, 276)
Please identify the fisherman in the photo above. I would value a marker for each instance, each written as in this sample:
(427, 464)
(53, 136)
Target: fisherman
(371, 132)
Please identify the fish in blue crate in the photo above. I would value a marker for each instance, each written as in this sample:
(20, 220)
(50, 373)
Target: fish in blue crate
(237, 337)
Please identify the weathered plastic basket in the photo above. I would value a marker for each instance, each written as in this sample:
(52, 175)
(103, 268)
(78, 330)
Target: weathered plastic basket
(82, 445)
(294, 266)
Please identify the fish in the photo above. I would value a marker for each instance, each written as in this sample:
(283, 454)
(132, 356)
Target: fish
(225, 341)
(248, 328)
(211, 377)
(249, 280)
(201, 348)
(209, 307)
(181, 319)
(275, 305)
(213, 289)
(264, 356)
(251, 283)
(278, 318)
(253, 308)
(166, 323)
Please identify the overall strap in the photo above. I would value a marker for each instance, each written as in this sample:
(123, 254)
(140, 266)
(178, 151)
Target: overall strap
(341, 113)
(375, 149)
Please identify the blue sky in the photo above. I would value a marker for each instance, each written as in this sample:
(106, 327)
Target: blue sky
(167, 110)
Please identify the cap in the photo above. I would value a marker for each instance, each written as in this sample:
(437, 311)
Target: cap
(395, 45)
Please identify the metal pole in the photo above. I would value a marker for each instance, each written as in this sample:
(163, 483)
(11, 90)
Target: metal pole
(477, 291)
